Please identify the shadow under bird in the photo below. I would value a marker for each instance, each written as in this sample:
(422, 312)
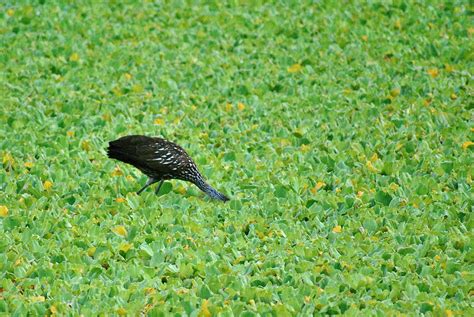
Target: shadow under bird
(160, 160)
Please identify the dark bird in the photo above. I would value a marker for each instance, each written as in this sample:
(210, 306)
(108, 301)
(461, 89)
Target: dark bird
(160, 160)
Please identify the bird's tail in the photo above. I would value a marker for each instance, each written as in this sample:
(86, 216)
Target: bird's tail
(205, 187)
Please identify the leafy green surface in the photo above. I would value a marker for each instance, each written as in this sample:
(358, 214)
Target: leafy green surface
(340, 131)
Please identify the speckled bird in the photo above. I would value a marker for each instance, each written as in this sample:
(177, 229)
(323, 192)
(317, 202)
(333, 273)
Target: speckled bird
(160, 160)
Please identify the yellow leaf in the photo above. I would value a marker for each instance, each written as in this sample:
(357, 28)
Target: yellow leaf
(117, 171)
(298, 131)
(137, 88)
(228, 107)
(106, 117)
(238, 259)
(467, 144)
(449, 68)
(36, 299)
(28, 10)
(117, 91)
(47, 185)
(147, 308)
(374, 157)
(295, 68)
(10, 12)
(74, 57)
(8, 158)
(53, 309)
(85, 145)
(159, 121)
(122, 311)
(433, 72)
(182, 291)
(70, 134)
(337, 229)
(241, 106)
(398, 24)
(149, 290)
(124, 247)
(127, 76)
(472, 129)
(181, 190)
(28, 164)
(176, 121)
(193, 108)
(3, 211)
(449, 313)
(201, 34)
(120, 230)
(318, 186)
(91, 251)
(395, 92)
(371, 167)
(204, 312)
(284, 142)
(454, 96)
(360, 193)
(304, 148)
(365, 38)
(120, 199)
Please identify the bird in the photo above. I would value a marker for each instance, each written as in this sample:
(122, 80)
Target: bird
(160, 160)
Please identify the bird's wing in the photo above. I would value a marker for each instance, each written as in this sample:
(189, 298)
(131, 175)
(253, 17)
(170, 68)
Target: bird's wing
(163, 156)
(153, 156)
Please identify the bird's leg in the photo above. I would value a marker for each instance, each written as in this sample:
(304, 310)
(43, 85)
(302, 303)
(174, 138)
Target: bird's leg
(159, 186)
(148, 183)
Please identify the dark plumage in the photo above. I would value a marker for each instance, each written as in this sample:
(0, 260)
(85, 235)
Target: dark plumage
(160, 160)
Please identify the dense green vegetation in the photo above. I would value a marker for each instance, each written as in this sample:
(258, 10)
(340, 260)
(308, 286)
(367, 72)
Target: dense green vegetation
(341, 131)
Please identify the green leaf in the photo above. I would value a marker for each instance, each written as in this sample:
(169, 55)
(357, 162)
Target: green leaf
(229, 156)
(235, 204)
(280, 192)
(426, 307)
(166, 188)
(383, 198)
(270, 102)
(205, 292)
(406, 250)
(370, 225)
(447, 167)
